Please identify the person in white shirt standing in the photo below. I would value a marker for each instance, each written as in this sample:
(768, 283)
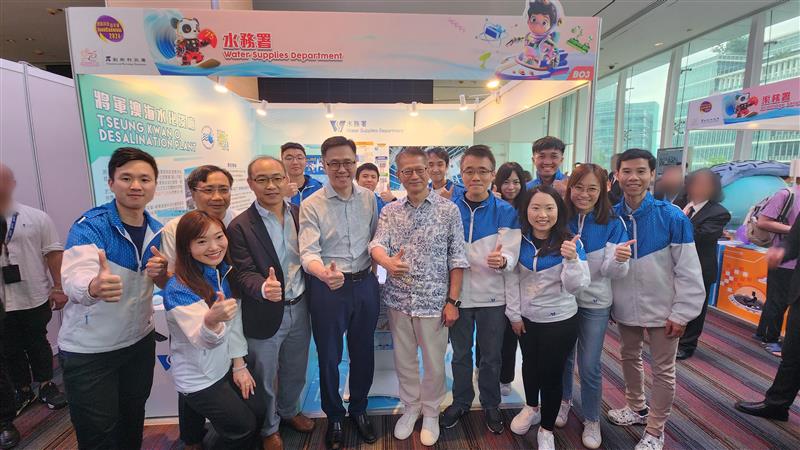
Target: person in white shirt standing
(31, 269)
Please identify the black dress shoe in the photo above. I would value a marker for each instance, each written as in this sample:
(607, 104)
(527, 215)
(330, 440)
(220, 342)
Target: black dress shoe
(764, 410)
(364, 427)
(9, 436)
(684, 354)
(334, 436)
(450, 416)
(494, 420)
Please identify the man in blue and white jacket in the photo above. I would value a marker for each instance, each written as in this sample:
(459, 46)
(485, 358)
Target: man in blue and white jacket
(492, 235)
(661, 293)
(106, 342)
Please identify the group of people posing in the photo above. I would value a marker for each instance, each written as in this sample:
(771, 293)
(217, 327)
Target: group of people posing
(550, 262)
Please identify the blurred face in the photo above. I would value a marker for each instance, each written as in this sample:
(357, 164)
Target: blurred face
(635, 176)
(542, 213)
(701, 188)
(210, 248)
(7, 185)
(547, 162)
(213, 195)
(585, 193)
(368, 179)
(437, 169)
(511, 187)
(477, 174)
(340, 166)
(267, 180)
(133, 185)
(295, 161)
(672, 179)
(413, 174)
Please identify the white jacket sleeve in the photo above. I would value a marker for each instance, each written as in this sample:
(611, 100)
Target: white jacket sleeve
(79, 266)
(513, 295)
(575, 275)
(690, 293)
(612, 268)
(190, 320)
(510, 239)
(237, 344)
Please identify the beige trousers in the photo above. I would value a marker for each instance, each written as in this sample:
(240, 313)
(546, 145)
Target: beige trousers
(409, 333)
(662, 352)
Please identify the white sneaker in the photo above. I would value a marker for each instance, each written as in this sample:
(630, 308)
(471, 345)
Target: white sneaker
(650, 442)
(545, 439)
(591, 435)
(505, 389)
(563, 414)
(430, 431)
(405, 424)
(626, 416)
(525, 419)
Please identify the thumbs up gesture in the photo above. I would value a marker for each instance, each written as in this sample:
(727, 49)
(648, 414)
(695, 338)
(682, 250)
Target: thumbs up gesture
(156, 265)
(623, 251)
(569, 249)
(292, 189)
(332, 277)
(448, 193)
(222, 310)
(272, 287)
(496, 260)
(106, 286)
(396, 266)
(387, 195)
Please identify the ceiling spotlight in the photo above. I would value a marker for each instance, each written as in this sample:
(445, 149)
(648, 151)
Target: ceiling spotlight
(328, 111)
(493, 83)
(413, 112)
(11, 41)
(30, 39)
(38, 52)
(262, 109)
(220, 85)
(658, 44)
(462, 100)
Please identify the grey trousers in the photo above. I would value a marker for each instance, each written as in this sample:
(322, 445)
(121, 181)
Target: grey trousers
(279, 365)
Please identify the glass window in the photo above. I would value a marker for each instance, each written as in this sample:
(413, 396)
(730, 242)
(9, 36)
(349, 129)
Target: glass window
(644, 103)
(566, 129)
(605, 113)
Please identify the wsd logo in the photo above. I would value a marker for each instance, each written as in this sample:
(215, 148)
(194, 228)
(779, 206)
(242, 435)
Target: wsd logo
(165, 361)
(339, 125)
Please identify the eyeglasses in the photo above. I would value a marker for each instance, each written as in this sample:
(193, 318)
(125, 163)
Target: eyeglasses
(336, 165)
(289, 159)
(420, 171)
(481, 172)
(584, 190)
(276, 180)
(223, 190)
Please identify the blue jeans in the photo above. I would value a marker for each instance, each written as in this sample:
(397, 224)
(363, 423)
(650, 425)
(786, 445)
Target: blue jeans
(592, 324)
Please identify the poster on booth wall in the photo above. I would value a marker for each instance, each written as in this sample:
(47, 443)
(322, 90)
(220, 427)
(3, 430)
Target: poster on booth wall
(540, 43)
(378, 154)
(183, 123)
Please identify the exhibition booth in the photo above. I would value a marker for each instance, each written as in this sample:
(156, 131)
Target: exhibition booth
(165, 81)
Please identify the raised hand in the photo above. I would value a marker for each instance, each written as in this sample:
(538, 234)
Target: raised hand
(272, 287)
(396, 266)
(221, 310)
(496, 260)
(292, 189)
(106, 286)
(569, 249)
(387, 195)
(448, 193)
(623, 252)
(156, 265)
(332, 277)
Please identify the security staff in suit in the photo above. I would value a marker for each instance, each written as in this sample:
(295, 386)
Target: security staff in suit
(264, 249)
(708, 217)
(781, 394)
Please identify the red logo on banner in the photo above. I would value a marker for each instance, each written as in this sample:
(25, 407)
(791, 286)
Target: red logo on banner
(581, 73)
(705, 107)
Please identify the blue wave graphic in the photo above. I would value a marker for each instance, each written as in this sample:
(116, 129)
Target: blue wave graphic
(248, 69)
(160, 34)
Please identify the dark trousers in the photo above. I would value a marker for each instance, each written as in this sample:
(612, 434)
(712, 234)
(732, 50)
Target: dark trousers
(545, 348)
(771, 322)
(508, 355)
(235, 419)
(107, 392)
(353, 308)
(25, 345)
(694, 328)
(7, 409)
(787, 381)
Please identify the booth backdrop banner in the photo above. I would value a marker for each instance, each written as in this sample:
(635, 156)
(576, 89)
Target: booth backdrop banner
(182, 122)
(292, 44)
(779, 100)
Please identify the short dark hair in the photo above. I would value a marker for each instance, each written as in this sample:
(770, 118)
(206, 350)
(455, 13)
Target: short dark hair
(124, 155)
(526, 176)
(367, 166)
(440, 153)
(548, 142)
(337, 141)
(411, 151)
(200, 175)
(637, 153)
(503, 172)
(479, 151)
(716, 180)
(290, 145)
(263, 158)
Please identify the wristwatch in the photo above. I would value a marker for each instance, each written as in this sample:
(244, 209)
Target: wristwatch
(456, 303)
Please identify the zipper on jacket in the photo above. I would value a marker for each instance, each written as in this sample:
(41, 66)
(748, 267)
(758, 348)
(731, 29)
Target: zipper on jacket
(471, 217)
(139, 256)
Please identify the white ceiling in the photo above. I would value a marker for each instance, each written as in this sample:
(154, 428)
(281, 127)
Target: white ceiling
(631, 28)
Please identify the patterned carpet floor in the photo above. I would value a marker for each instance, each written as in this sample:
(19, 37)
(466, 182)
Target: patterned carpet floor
(728, 366)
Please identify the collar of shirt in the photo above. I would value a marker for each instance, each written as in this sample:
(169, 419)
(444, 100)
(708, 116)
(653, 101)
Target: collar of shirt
(405, 202)
(330, 192)
(267, 214)
(697, 207)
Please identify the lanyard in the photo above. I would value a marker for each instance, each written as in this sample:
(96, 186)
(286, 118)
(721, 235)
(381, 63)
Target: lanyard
(11, 228)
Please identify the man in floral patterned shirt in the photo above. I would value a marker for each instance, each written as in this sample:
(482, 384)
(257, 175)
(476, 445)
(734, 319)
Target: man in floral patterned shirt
(420, 242)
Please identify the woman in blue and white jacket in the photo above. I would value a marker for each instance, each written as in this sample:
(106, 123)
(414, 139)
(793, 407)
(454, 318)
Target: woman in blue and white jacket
(207, 342)
(608, 250)
(552, 269)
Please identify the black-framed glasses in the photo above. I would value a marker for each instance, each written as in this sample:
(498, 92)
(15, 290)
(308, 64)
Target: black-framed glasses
(336, 165)
(419, 171)
(222, 190)
(276, 180)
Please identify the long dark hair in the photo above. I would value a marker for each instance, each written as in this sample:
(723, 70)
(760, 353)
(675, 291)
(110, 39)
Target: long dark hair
(503, 172)
(188, 270)
(560, 231)
(602, 209)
